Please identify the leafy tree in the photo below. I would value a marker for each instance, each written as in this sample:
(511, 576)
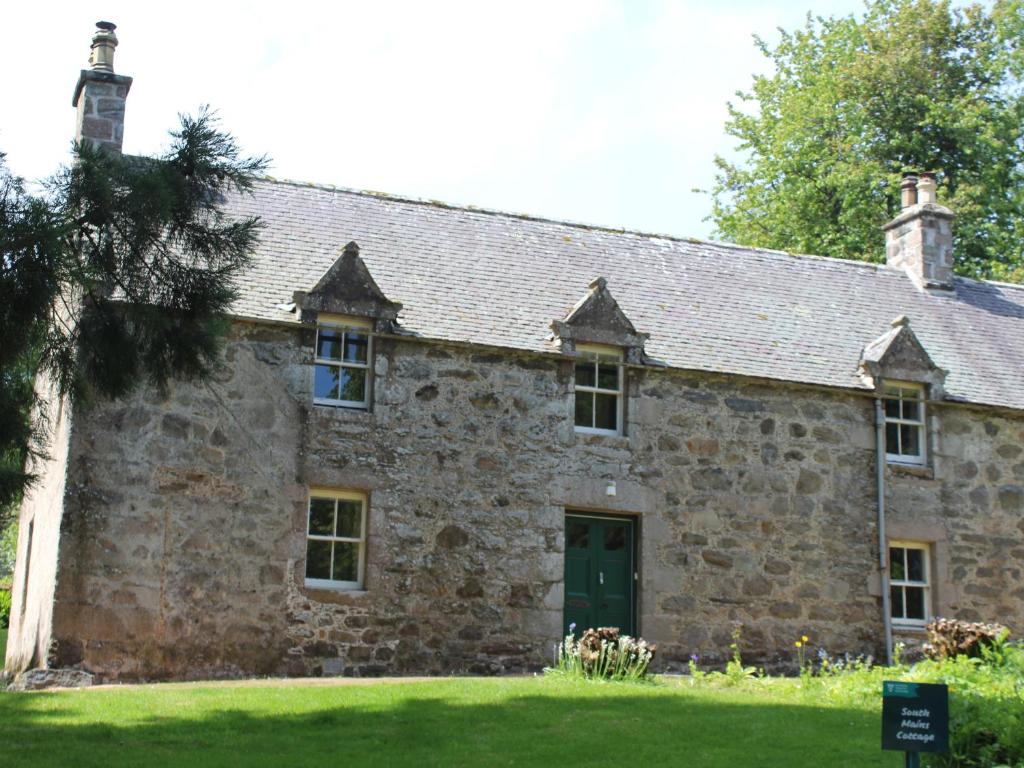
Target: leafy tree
(117, 275)
(853, 102)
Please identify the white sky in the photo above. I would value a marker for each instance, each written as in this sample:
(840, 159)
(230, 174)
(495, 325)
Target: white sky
(593, 110)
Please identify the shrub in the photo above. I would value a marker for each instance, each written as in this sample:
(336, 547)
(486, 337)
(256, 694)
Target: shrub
(986, 690)
(8, 545)
(949, 638)
(986, 706)
(5, 607)
(604, 653)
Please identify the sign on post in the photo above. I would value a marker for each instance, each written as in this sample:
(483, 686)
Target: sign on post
(915, 717)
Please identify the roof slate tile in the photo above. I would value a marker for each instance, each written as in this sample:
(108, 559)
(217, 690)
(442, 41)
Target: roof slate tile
(500, 279)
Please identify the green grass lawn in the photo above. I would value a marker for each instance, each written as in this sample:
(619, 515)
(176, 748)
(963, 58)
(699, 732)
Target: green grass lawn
(448, 722)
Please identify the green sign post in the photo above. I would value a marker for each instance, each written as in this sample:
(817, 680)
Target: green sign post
(915, 719)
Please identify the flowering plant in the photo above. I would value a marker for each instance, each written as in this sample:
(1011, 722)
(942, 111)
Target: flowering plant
(604, 653)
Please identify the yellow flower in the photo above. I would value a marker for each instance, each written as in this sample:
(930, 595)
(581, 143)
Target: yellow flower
(798, 644)
(805, 638)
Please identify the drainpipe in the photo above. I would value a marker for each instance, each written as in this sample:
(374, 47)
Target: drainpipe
(883, 550)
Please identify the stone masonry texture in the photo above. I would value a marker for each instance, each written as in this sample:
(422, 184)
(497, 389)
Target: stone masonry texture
(182, 542)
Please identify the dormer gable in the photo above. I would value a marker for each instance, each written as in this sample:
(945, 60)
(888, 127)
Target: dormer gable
(898, 355)
(347, 288)
(597, 319)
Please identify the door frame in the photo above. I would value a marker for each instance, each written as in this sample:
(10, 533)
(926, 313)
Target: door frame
(634, 554)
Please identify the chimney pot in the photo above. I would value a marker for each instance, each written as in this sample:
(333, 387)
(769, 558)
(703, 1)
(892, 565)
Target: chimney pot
(104, 41)
(926, 188)
(908, 189)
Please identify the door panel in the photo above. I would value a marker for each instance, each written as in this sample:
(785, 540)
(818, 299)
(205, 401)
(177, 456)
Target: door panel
(615, 585)
(599, 568)
(579, 574)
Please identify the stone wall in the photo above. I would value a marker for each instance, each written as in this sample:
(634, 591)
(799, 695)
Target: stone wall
(971, 508)
(183, 540)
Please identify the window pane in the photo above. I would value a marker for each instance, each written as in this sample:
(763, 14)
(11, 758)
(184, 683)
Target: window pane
(915, 602)
(896, 605)
(608, 376)
(318, 559)
(614, 538)
(321, 516)
(584, 409)
(325, 384)
(892, 438)
(910, 440)
(915, 565)
(356, 346)
(350, 519)
(346, 561)
(328, 344)
(577, 536)
(892, 407)
(897, 570)
(912, 410)
(585, 374)
(353, 384)
(606, 411)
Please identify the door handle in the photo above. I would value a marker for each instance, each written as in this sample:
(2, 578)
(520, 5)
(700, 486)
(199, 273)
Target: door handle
(600, 577)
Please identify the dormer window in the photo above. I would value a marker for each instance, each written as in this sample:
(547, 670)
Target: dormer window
(599, 390)
(342, 362)
(904, 423)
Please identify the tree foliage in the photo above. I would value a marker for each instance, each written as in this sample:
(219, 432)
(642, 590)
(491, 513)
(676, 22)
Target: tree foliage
(853, 102)
(118, 275)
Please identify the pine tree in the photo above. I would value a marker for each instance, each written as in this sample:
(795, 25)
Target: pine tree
(118, 275)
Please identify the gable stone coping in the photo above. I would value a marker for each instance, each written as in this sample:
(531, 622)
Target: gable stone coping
(898, 355)
(598, 319)
(348, 288)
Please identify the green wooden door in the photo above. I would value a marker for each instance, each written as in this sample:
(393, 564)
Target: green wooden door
(598, 573)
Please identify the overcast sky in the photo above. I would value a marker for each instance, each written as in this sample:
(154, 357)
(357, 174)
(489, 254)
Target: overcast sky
(599, 111)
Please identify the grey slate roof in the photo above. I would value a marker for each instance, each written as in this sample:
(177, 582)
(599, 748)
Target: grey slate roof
(500, 279)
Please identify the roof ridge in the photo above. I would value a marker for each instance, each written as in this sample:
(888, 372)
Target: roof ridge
(853, 263)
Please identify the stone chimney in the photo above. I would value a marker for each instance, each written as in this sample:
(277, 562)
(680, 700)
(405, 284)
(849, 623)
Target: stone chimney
(920, 240)
(100, 94)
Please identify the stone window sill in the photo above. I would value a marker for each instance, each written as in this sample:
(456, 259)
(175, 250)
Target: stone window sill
(335, 596)
(614, 441)
(343, 412)
(911, 470)
(908, 629)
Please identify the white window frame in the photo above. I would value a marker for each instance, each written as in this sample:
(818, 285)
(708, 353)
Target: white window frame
(593, 352)
(344, 323)
(921, 423)
(904, 583)
(338, 495)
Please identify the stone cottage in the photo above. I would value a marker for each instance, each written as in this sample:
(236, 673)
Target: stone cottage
(444, 434)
